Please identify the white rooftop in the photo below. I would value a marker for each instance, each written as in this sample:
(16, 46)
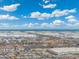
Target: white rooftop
(65, 50)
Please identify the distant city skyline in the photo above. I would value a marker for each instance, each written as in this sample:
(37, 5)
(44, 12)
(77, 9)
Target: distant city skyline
(39, 14)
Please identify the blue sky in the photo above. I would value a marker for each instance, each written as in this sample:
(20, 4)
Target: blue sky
(39, 14)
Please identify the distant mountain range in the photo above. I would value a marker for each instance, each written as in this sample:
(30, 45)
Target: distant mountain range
(39, 29)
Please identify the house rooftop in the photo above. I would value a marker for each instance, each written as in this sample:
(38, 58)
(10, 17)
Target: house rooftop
(65, 50)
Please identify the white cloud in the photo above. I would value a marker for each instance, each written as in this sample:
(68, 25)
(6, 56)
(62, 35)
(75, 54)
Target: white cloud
(58, 23)
(30, 25)
(56, 13)
(72, 26)
(72, 22)
(46, 1)
(53, 25)
(10, 8)
(39, 15)
(47, 25)
(49, 6)
(44, 24)
(35, 14)
(37, 25)
(77, 24)
(4, 24)
(7, 17)
(71, 19)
